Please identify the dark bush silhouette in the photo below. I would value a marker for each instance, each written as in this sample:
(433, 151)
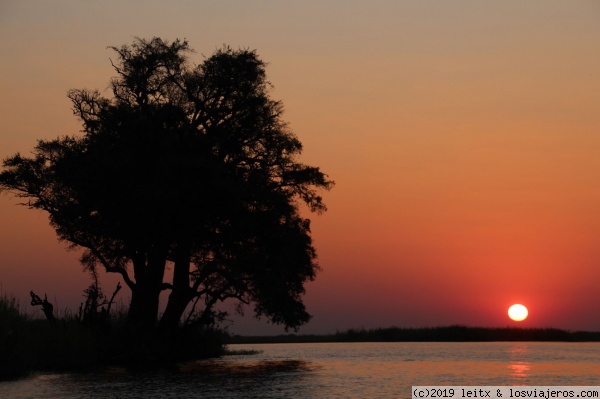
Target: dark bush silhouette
(186, 166)
(95, 311)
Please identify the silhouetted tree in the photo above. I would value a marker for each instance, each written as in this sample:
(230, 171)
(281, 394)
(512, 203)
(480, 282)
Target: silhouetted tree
(188, 166)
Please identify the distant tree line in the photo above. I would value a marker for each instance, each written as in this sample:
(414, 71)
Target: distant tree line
(455, 333)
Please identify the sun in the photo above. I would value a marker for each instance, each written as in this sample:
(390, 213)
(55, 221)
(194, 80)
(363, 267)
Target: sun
(518, 312)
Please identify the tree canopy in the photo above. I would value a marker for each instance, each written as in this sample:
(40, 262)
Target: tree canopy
(184, 166)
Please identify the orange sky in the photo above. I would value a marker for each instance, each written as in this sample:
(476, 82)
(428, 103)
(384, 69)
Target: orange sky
(463, 138)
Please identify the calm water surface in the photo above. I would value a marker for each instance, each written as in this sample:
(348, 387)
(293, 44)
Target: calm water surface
(333, 370)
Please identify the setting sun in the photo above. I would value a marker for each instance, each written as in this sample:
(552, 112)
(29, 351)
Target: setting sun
(518, 312)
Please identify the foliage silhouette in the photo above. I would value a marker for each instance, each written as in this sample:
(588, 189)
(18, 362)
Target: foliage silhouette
(189, 167)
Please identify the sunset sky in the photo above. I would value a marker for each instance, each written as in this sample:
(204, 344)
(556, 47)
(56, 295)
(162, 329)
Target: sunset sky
(463, 137)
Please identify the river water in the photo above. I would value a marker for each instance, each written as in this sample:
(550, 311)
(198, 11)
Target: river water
(332, 370)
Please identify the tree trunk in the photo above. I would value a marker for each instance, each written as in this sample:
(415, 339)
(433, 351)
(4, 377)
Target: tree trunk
(180, 294)
(143, 310)
(173, 312)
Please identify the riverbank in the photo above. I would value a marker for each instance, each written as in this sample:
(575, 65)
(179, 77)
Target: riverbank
(28, 344)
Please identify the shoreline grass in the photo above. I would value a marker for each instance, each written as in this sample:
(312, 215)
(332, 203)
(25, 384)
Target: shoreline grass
(29, 345)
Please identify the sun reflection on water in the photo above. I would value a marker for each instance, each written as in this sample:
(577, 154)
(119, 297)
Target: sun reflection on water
(519, 369)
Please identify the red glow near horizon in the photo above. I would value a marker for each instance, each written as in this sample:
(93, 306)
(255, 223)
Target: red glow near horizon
(464, 147)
